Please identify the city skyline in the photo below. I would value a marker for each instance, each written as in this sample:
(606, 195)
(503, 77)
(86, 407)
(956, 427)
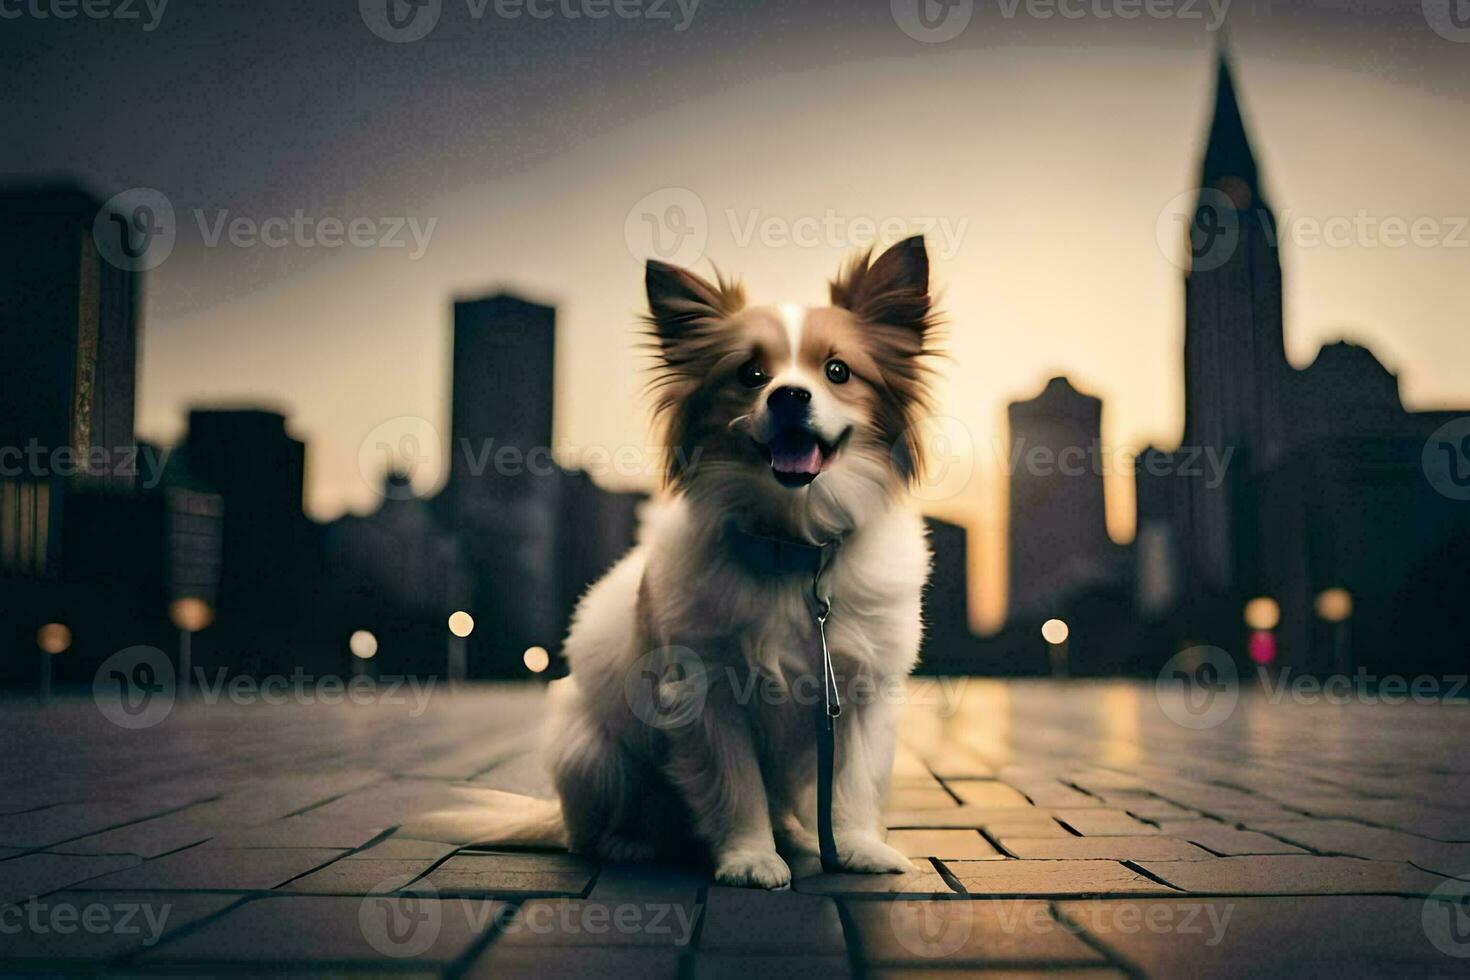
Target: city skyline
(1058, 270)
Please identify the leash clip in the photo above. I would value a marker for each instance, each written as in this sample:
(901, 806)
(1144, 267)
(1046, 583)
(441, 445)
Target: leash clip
(823, 609)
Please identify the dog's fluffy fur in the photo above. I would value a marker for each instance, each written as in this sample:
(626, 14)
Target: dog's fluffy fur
(737, 773)
(724, 650)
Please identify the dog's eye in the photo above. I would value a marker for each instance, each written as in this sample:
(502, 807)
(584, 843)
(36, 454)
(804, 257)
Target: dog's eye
(838, 372)
(752, 375)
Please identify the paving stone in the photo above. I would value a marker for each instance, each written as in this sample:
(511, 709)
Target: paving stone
(511, 873)
(1292, 874)
(921, 882)
(971, 817)
(359, 877)
(956, 762)
(587, 922)
(1147, 848)
(1226, 840)
(716, 966)
(1266, 937)
(619, 882)
(986, 793)
(1375, 843)
(501, 962)
(90, 926)
(55, 824)
(920, 798)
(203, 869)
(959, 932)
(1052, 878)
(383, 929)
(402, 848)
(956, 844)
(147, 838)
(1104, 823)
(1002, 830)
(740, 920)
(301, 832)
(38, 874)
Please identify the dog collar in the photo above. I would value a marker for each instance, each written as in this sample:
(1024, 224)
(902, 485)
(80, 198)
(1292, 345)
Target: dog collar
(779, 556)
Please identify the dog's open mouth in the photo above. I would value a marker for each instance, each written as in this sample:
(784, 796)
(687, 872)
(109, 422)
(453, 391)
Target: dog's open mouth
(798, 455)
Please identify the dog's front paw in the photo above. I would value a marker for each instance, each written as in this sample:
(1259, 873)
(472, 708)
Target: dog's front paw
(870, 855)
(752, 869)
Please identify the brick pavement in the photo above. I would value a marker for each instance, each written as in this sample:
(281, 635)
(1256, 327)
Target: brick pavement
(1073, 828)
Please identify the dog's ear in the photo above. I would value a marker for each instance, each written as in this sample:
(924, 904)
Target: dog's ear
(892, 290)
(681, 302)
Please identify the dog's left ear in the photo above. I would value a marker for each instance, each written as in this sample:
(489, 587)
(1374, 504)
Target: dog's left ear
(892, 290)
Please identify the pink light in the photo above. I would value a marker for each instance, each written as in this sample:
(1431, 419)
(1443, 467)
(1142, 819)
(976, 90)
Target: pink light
(1263, 646)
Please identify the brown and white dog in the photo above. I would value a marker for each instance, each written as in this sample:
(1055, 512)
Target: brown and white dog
(787, 423)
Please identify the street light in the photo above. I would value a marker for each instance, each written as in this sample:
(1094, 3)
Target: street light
(1262, 615)
(1335, 606)
(53, 638)
(461, 625)
(1055, 632)
(364, 647)
(190, 615)
(536, 659)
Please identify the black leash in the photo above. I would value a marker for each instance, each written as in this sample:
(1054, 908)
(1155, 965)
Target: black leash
(768, 555)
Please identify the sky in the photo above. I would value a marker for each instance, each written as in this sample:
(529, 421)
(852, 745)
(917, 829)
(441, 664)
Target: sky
(1045, 156)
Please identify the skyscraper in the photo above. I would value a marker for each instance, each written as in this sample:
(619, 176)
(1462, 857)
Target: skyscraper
(504, 492)
(69, 332)
(1059, 542)
(1235, 367)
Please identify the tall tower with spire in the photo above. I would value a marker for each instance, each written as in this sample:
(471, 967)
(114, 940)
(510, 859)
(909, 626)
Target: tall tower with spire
(1235, 367)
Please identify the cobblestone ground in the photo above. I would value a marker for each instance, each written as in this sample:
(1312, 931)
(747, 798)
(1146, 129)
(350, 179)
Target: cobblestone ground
(1090, 828)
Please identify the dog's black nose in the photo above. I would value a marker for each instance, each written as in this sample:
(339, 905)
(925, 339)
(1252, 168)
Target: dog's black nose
(789, 400)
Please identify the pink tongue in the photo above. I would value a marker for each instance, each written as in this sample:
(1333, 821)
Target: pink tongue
(797, 461)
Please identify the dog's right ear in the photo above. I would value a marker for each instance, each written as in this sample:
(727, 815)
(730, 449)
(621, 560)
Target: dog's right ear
(681, 304)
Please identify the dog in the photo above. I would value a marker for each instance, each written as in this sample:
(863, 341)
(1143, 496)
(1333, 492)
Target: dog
(685, 726)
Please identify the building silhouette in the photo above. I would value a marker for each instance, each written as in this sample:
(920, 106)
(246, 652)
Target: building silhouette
(69, 328)
(1059, 545)
(1323, 485)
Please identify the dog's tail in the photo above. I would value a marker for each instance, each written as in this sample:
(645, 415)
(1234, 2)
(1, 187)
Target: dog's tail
(493, 817)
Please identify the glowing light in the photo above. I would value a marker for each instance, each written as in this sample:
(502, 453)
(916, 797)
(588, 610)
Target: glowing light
(363, 645)
(53, 638)
(1263, 646)
(1055, 632)
(190, 615)
(461, 624)
(1335, 605)
(1262, 614)
(536, 659)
